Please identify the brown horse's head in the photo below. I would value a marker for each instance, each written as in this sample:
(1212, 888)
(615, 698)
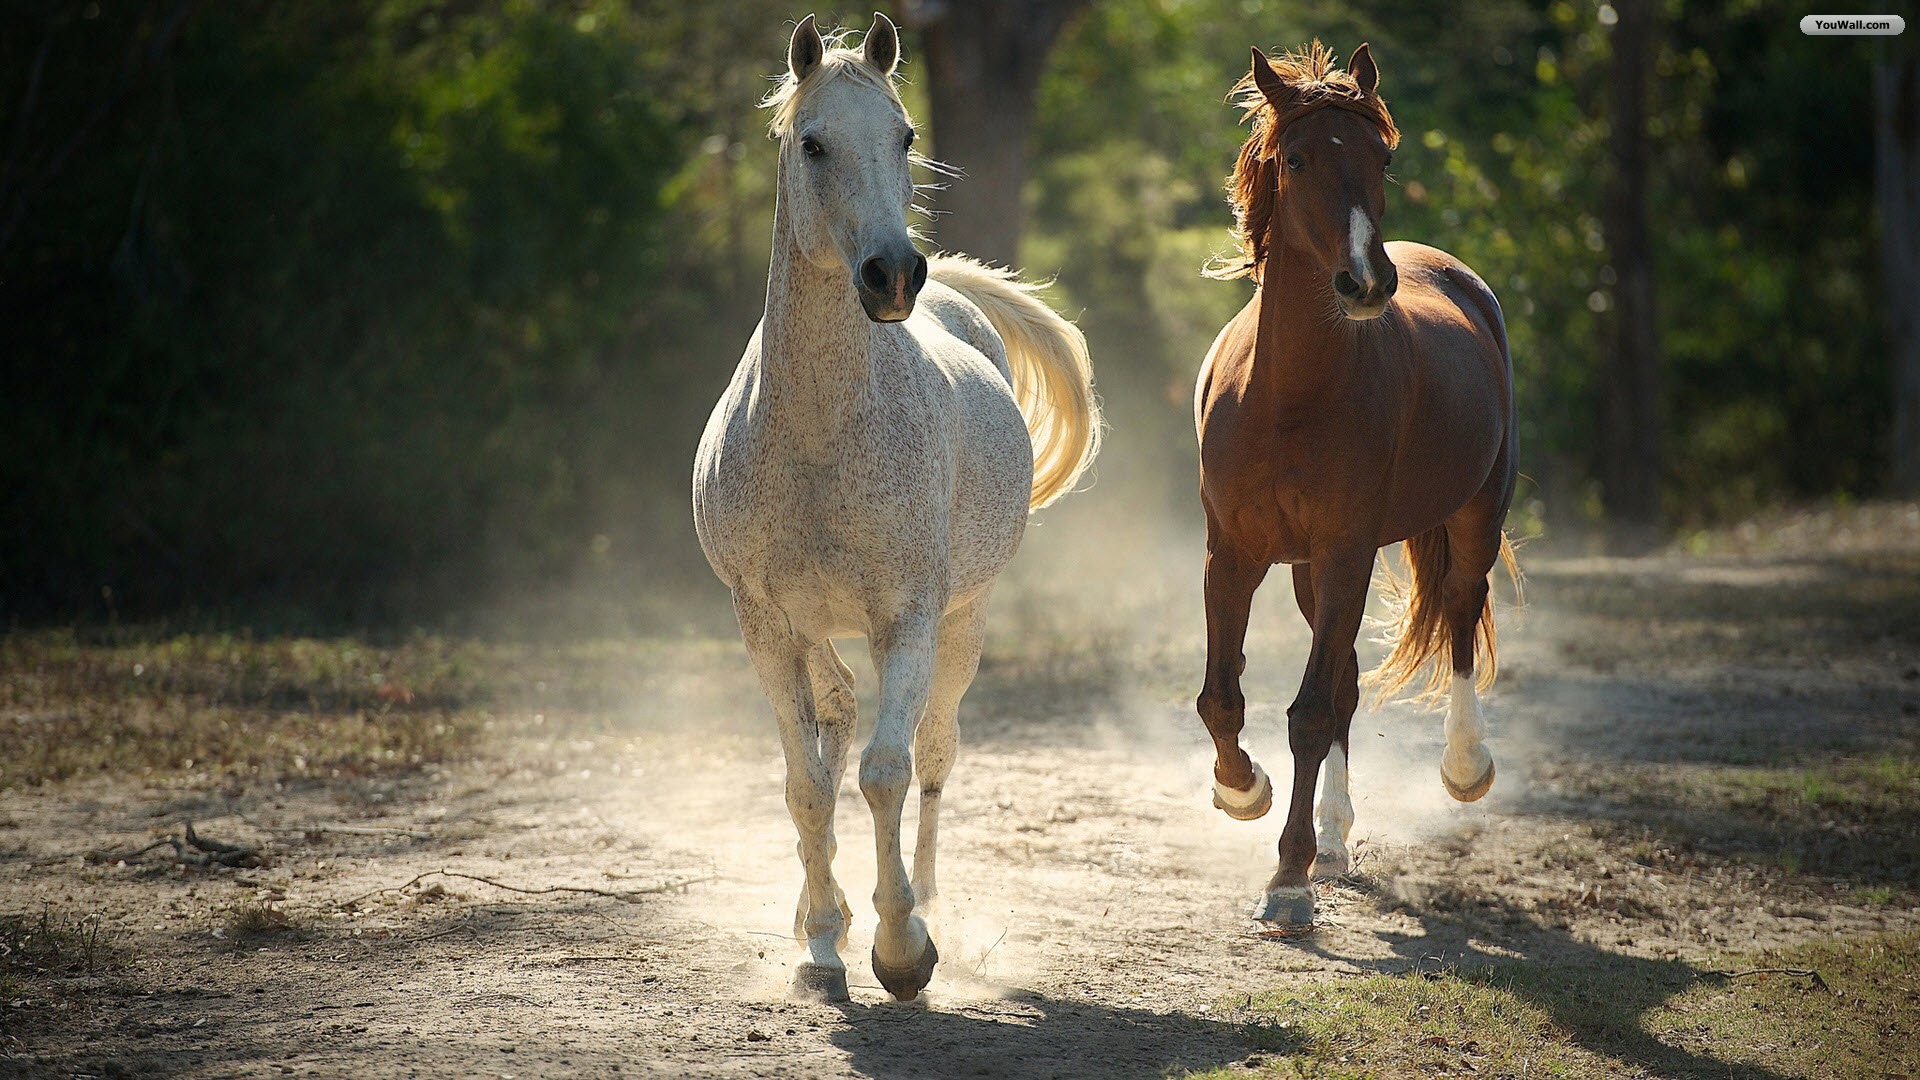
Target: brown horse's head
(1312, 175)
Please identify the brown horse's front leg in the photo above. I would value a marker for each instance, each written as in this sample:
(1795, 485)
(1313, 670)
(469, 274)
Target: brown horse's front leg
(1340, 578)
(1240, 787)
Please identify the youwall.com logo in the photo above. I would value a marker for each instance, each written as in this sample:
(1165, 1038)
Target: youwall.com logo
(1877, 25)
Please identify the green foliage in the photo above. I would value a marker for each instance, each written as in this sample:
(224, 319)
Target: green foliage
(379, 260)
(1762, 204)
(365, 312)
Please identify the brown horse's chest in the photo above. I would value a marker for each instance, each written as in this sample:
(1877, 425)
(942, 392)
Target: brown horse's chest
(1267, 502)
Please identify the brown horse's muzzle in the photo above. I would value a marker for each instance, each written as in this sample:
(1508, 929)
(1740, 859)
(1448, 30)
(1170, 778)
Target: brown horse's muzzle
(1362, 302)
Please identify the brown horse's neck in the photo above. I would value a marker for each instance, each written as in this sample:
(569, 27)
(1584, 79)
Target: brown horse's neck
(1304, 342)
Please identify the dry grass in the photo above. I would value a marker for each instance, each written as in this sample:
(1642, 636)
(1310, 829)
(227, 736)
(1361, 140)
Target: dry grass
(34, 948)
(1634, 1017)
(251, 922)
(213, 706)
(1856, 820)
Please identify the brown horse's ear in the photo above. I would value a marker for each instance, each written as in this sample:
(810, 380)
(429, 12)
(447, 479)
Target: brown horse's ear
(1364, 71)
(1275, 89)
(882, 44)
(806, 50)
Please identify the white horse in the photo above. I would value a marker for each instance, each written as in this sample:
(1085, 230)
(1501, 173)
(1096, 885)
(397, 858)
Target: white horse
(870, 470)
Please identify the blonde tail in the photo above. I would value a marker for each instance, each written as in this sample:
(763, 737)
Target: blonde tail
(1418, 634)
(1052, 374)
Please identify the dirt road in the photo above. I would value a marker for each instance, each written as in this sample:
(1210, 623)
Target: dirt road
(1095, 905)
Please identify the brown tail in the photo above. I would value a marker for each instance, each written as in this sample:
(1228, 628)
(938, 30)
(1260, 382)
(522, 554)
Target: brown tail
(1418, 632)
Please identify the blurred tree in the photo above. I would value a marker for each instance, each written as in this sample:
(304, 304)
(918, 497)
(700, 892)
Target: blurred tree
(984, 59)
(1897, 130)
(1632, 424)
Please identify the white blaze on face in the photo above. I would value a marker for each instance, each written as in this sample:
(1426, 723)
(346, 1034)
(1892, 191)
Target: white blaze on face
(1359, 235)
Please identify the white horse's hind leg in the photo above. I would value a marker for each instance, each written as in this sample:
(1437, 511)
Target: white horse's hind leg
(812, 788)
(1334, 817)
(903, 954)
(836, 715)
(1466, 767)
(956, 659)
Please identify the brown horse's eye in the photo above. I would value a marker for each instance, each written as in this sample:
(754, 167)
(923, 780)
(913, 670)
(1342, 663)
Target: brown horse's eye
(1389, 161)
(1296, 162)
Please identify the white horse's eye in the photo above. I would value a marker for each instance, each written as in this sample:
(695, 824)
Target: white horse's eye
(909, 140)
(811, 147)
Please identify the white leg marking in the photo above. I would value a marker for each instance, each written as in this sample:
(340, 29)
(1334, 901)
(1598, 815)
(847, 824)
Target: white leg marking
(1334, 819)
(1360, 233)
(1466, 760)
(1240, 800)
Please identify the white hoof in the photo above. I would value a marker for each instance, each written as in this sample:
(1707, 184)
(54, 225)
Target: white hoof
(1246, 805)
(1476, 769)
(1289, 906)
(1329, 863)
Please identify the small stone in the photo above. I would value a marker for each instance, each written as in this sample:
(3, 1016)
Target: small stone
(756, 1036)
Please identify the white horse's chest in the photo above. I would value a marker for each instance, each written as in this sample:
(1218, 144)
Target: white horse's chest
(882, 499)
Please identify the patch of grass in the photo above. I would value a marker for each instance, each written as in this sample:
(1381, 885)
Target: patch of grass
(34, 946)
(251, 922)
(219, 705)
(1613, 1016)
(1853, 818)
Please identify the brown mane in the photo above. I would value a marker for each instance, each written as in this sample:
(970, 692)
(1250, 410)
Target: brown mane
(1253, 189)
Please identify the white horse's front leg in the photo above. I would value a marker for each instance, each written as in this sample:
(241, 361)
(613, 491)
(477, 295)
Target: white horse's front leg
(956, 659)
(812, 789)
(903, 954)
(836, 716)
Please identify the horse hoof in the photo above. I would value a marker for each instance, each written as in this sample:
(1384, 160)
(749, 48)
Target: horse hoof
(1288, 907)
(1470, 792)
(818, 982)
(905, 983)
(1330, 864)
(1245, 805)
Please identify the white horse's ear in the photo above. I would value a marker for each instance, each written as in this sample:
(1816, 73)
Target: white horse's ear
(883, 44)
(1276, 90)
(1364, 70)
(806, 50)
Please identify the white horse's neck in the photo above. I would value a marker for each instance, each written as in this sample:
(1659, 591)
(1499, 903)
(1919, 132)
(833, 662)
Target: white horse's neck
(816, 343)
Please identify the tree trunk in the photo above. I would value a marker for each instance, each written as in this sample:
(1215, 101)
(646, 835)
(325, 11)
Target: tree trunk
(1896, 87)
(984, 59)
(1630, 404)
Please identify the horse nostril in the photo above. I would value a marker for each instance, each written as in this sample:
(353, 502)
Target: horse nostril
(1345, 285)
(919, 272)
(873, 273)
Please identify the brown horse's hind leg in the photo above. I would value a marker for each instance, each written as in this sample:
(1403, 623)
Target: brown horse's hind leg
(1340, 579)
(1473, 546)
(1333, 813)
(1240, 787)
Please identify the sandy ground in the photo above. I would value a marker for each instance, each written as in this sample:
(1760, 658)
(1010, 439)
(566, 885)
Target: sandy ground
(1095, 919)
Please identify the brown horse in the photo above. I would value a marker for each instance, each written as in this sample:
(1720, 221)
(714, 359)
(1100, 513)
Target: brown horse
(1363, 397)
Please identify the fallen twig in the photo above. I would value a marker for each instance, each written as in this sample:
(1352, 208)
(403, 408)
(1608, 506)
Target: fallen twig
(190, 848)
(1798, 973)
(624, 895)
(981, 966)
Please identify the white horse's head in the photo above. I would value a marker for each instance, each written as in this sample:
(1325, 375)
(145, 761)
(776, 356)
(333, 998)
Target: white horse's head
(845, 180)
